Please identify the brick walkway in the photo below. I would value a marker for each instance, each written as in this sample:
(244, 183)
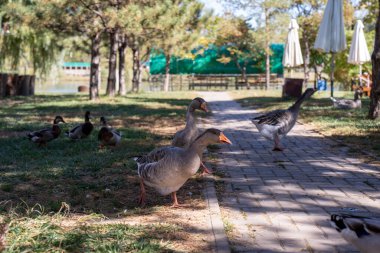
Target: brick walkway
(281, 201)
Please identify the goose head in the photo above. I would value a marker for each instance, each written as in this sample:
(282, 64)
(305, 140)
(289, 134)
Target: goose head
(358, 93)
(199, 104)
(58, 119)
(213, 136)
(309, 92)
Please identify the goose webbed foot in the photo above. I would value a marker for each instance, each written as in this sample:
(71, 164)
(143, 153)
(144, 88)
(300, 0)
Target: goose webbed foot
(175, 201)
(205, 170)
(277, 143)
(142, 194)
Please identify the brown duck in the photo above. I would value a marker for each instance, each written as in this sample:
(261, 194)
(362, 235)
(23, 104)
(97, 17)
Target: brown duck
(81, 131)
(42, 137)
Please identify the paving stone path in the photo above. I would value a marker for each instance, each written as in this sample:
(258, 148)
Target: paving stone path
(281, 201)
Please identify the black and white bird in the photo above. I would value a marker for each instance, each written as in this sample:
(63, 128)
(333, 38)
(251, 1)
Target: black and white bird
(276, 124)
(82, 130)
(362, 232)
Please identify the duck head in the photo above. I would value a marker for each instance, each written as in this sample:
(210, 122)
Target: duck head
(87, 116)
(58, 119)
(103, 121)
(199, 104)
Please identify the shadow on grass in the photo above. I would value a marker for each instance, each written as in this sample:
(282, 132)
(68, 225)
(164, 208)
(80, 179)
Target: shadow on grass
(89, 179)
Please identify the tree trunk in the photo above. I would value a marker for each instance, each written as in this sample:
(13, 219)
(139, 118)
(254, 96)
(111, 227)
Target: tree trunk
(245, 77)
(95, 66)
(306, 60)
(267, 49)
(136, 69)
(111, 81)
(374, 107)
(122, 47)
(167, 73)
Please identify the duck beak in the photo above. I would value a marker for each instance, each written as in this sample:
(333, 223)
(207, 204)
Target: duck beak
(204, 107)
(224, 139)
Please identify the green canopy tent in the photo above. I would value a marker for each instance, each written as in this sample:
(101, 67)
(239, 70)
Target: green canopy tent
(207, 63)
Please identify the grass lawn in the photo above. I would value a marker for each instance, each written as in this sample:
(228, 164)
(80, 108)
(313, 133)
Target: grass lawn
(350, 126)
(72, 196)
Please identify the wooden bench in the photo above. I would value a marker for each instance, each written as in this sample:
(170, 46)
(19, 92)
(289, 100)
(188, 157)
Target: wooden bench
(254, 80)
(208, 82)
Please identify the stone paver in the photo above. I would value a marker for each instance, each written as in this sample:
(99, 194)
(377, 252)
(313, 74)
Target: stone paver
(282, 201)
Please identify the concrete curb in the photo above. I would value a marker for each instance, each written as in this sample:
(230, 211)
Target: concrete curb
(216, 223)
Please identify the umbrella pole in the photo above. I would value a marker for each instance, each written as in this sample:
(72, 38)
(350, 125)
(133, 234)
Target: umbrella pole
(360, 75)
(332, 73)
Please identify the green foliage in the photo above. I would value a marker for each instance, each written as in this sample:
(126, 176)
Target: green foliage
(23, 44)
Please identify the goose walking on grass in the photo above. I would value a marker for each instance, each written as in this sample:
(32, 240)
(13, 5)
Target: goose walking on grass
(48, 134)
(349, 103)
(183, 138)
(107, 135)
(167, 169)
(362, 232)
(276, 124)
(81, 131)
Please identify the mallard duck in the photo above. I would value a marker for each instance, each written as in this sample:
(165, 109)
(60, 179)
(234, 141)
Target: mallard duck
(276, 124)
(349, 103)
(48, 134)
(167, 169)
(82, 130)
(107, 135)
(183, 138)
(362, 232)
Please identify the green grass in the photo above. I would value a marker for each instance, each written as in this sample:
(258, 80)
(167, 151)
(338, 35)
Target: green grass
(350, 126)
(87, 179)
(48, 234)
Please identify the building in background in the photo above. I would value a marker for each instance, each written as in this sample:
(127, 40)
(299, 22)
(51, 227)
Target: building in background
(76, 68)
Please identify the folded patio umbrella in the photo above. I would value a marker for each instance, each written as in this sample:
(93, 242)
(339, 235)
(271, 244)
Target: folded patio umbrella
(331, 37)
(292, 54)
(359, 53)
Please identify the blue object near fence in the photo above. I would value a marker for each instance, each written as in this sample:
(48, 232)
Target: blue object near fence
(322, 84)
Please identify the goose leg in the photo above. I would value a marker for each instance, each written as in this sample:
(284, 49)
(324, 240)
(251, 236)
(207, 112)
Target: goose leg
(175, 201)
(142, 194)
(205, 170)
(277, 143)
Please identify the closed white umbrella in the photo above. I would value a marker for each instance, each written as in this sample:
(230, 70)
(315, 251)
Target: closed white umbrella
(292, 54)
(359, 53)
(331, 37)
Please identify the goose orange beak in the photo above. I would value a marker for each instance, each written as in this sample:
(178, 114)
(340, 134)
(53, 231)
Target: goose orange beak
(204, 107)
(223, 138)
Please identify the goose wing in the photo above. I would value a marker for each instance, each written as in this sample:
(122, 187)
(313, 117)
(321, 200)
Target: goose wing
(274, 118)
(42, 135)
(158, 170)
(37, 133)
